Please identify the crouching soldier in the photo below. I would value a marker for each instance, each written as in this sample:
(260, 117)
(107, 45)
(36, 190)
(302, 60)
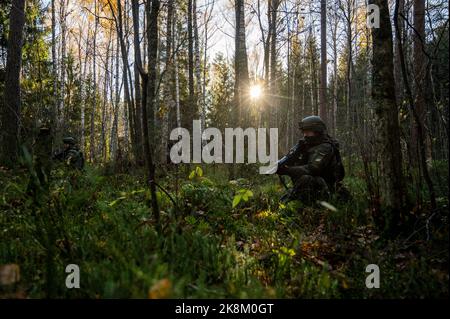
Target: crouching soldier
(314, 164)
(71, 154)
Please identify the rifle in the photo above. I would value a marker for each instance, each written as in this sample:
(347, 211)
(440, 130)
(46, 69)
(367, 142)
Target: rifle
(59, 156)
(285, 160)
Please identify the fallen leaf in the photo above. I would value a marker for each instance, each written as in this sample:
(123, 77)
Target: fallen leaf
(161, 289)
(9, 274)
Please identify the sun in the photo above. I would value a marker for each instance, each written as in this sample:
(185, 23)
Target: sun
(255, 91)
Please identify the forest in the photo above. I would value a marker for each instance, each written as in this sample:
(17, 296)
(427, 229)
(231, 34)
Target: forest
(133, 133)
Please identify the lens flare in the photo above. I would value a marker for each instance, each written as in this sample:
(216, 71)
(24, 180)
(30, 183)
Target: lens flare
(255, 92)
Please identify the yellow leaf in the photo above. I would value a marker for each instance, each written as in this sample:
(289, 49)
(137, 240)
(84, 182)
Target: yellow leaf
(345, 284)
(199, 171)
(161, 289)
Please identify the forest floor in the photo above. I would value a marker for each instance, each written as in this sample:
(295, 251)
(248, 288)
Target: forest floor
(206, 248)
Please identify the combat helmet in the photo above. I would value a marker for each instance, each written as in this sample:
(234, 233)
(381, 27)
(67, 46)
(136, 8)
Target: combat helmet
(69, 140)
(313, 123)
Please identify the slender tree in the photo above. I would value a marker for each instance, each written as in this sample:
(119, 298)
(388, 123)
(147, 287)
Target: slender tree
(419, 72)
(241, 62)
(137, 80)
(192, 102)
(94, 91)
(323, 61)
(153, 8)
(388, 132)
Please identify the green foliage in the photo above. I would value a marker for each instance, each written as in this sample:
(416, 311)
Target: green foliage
(197, 172)
(222, 92)
(242, 195)
(211, 248)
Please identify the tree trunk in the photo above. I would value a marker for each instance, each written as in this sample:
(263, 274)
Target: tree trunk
(241, 63)
(94, 93)
(168, 85)
(192, 105)
(399, 38)
(114, 129)
(126, 83)
(176, 71)
(62, 82)
(102, 146)
(412, 107)
(419, 71)
(388, 132)
(83, 93)
(137, 80)
(54, 68)
(148, 109)
(197, 65)
(323, 60)
(335, 74)
(11, 97)
(273, 62)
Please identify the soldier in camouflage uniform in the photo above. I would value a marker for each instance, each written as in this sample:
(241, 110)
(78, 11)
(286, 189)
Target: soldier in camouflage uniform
(71, 155)
(314, 164)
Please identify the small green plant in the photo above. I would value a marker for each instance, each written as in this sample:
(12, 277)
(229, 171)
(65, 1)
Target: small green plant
(197, 172)
(242, 195)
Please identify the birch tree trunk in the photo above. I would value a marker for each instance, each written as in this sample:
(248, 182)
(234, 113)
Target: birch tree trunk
(62, 82)
(176, 70)
(198, 79)
(168, 85)
(241, 64)
(102, 146)
(114, 129)
(323, 61)
(148, 107)
(94, 93)
(192, 102)
(334, 23)
(273, 62)
(83, 92)
(388, 132)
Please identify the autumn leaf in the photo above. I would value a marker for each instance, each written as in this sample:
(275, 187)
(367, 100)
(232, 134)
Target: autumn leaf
(161, 289)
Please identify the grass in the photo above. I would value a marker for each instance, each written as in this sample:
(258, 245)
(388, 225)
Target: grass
(206, 248)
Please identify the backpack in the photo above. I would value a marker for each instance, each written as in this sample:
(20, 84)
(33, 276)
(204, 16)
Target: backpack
(338, 169)
(76, 158)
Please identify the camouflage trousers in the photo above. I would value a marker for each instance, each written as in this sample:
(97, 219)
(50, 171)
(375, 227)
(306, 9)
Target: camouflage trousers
(308, 189)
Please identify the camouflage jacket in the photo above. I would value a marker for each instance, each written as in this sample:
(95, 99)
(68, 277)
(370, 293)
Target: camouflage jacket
(72, 157)
(321, 158)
